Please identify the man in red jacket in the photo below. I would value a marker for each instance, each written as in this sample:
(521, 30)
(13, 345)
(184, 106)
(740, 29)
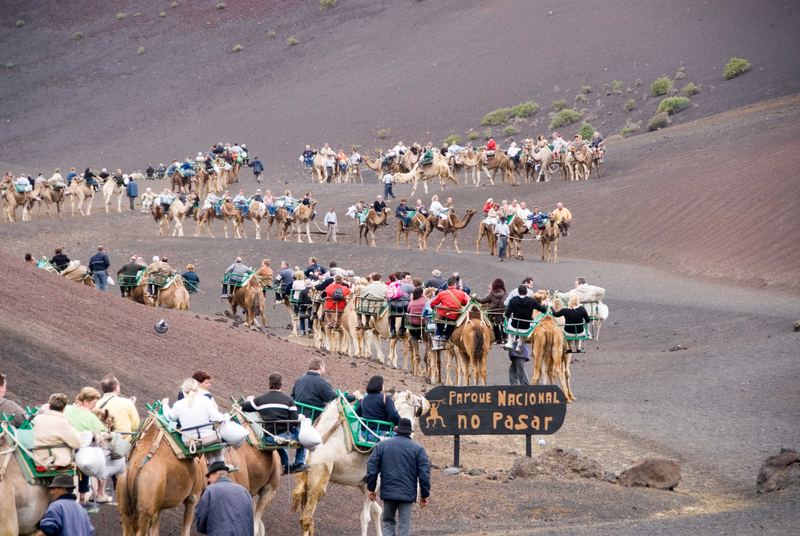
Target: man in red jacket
(447, 304)
(335, 302)
(491, 145)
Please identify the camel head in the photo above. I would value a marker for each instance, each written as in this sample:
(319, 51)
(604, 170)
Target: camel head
(410, 405)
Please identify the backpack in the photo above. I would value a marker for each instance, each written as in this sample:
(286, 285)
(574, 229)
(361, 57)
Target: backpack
(394, 292)
(338, 294)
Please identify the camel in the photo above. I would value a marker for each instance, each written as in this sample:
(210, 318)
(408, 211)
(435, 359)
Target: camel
(471, 342)
(13, 199)
(597, 158)
(177, 212)
(516, 233)
(229, 212)
(80, 191)
(110, 188)
(409, 159)
(451, 225)
(251, 299)
(436, 169)
(78, 273)
(486, 230)
(375, 164)
(318, 169)
(353, 173)
(373, 333)
(549, 239)
(303, 215)
(423, 226)
(580, 162)
(173, 295)
(203, 218)
(545, 159)
(550, 350)
(470, 162)
(22, 505)
(257, 213)
(333, 461)
(180, 184)
(370, 225)
(48, 194)
(157, 480)
(499, 162)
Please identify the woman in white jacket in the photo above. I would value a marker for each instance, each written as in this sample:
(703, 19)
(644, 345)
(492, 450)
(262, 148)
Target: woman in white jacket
(195, 415)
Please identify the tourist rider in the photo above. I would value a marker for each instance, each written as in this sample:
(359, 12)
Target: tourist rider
(122, 409)
(435, 281)
(576, 318)
(494, 305)
(419, 208)
(129, 271)
(283, 281)
(563, 218)
(314, 269)
(59, 260)
(403, 465)
(235, 273)
(98, 267)
(559, 144)
(195, 414)
(335, 302)
(520, 312)
(402, 212)
(274, 407)
(9, 407)
(63, 515)
(266, 274)
(82, 417)
(376, 406)
(539, 220)
(154, 281)
(436, 208)
(378, 205)
(190, 279)
(398, 294)
(373, 296)
(414, 312)
(449, 303)
(51, 428)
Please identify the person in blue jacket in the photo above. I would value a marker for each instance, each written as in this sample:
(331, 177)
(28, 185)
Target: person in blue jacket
(132, 190)
(376, 406)
(258, 168)
(64, 516)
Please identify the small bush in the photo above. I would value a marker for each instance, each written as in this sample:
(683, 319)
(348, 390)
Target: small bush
(630, 127)
(173, 4)
(20, 23)
(580, 97)
(8, 65)
(162, 14)
(122, 16)
(140, 51)
(452, 138)
(673, 105)
(524, 109)
(221, 5)
(510, 130)
(736, 67)
(616, 87)
(586, 90)
(660, 86)
(660, 120)
(559, 104)
(271, 34)
(681, 73)
(564, 117)
(473, 135)
(237, 48)
(496, 117)
(77, 36)
(327, 4)
(382, 133)
(690, 89)
(638, 82)
(630, 105)
(586, 131)
(292, 41)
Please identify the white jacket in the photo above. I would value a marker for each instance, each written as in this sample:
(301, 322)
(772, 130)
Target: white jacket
(202, 413)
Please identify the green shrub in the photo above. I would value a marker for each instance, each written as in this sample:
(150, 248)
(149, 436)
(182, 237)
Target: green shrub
(690, 89)
(496, 117)
(8, 65)
(140, 51)
(586, 131)
(736, 67)
(121, 16)
(221, 5)
(473, 135)
(580, 97)
(271, 34)
(452, 138)
(630, 105)
(173, 4)
(524, 109)
(564, 117)
(630, 127)
(586, 90)
(292, 41)
(162, 14)
(672, 105)
(681, 74)
(638, 82)
(327, 4)
(237, 48)
(616, 87)
(559, 104)
(660, 86)
(20, 23)
(382, 133)
(660, 120)
(77, 36)
(510, 130)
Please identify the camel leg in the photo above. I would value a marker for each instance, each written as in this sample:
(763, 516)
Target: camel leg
(258, 229)
(308, 232)
(225, 227)
(555, 251)
(440, 243)
(367, 513)
(455, 243)
(317, 478)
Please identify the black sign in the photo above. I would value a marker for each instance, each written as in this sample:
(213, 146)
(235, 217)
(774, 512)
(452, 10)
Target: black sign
(494, 409)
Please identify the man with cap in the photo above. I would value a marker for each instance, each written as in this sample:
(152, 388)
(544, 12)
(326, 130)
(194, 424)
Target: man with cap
(64, 516)
(402, 463)
(235, 272)
(128, 272)
(225, 508)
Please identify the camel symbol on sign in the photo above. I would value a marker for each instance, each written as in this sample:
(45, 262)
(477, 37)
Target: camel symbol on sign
(433, 415)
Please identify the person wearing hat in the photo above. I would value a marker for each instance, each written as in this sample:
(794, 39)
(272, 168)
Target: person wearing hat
(238, 270)
(63, 515)
(225, 507)
(129, 271)
(402, 464)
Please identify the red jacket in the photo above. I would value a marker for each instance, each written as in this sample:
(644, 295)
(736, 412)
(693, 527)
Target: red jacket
(487, 207)
(451, 299)
(330, 304)
(491, 145)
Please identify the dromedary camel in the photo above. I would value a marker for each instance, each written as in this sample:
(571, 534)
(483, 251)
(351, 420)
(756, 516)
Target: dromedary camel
(230, 213)
(177, 212)
(156, 480)
(516, 234)
(498, 162)
(487, 231)
(13, 199)
(438, 169)
(318, 169)
(333, 461)
(375, 164)
(549, 239)
(251, 299)
(257, 213)
(173, 295)
(471, 341)
(580, 161)
(22, 505)
(366, 230)
(450, 226)
(111, 188)
(79, 191)
(545, 159)
(303, 215)
(48, 194)
(550, 350)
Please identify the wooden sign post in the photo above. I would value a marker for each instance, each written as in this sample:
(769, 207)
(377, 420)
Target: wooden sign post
(493, 410)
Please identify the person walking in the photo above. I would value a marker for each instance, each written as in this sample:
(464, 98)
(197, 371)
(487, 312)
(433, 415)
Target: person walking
(64, 517)
(516, 371)
(402, 463)
(330, 224)
(225, 507)
(388, 181)
(132, 189)
(501, 230)
(98, 267)
(258, 168)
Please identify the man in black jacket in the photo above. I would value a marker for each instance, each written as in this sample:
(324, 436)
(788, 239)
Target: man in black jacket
(275, 406)
(98, 267)
(129, 272)
(520, 311)
(401, 463)
(313, 390)
(59, 260)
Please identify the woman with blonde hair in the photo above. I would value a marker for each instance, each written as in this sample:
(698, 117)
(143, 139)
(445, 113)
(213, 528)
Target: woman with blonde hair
(81, 415)
(195, 414)
(576, 319)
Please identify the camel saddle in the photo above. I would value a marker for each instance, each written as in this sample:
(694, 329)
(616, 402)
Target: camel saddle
(363, 434)
(175, 439)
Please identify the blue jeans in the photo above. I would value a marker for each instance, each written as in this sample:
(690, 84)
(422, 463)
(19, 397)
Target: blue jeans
(387, 191)
(300, 455)
(393, 510)
(100, 279)
(502, 243)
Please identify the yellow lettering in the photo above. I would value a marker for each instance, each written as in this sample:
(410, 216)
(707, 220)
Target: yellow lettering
(496, 416)
(547, 422)
(535, 422)
(555, 398)
(522, 423)
(461, 420)
(475, 422)
(509, 422)
(451, 396)
(501, 398)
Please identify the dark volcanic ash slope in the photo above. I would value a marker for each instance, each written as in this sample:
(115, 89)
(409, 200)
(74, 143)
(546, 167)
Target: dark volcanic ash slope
(420, 69)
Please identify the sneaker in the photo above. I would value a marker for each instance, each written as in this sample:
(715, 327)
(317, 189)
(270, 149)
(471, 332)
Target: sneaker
(103, 499)
(298, 468)
(285, 469)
